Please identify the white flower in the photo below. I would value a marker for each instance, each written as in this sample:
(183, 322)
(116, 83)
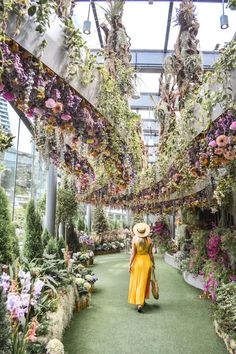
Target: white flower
(54, 346)
(87, 285)
(91, 254)
(78, 275)
(79, 281)
(89, 277)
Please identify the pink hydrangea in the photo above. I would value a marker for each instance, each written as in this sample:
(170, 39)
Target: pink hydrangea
(212, 143)
(66, 117)
(50, 103)
(233, 125)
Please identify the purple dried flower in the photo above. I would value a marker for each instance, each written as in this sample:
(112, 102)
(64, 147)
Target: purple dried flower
(38, 285)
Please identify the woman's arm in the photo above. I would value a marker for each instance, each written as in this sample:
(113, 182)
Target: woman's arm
(151, 254)
(133, 254)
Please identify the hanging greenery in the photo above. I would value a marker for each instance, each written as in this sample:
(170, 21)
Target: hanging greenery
(6, 140)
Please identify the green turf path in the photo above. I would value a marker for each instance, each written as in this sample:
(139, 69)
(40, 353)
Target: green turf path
(178, 323)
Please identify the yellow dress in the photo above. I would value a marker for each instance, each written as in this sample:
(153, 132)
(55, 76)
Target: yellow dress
(139, 286)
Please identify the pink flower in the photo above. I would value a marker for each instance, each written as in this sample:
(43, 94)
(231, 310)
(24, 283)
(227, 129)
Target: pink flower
(38, 111)
(229, 155)
(8, 96)
(219, 151)
(232, 278)
(212, 143)
(50, 103)
(1, 86)
(197, 164)
(233, 125)
(29, 115)
(58, 108)
(222, 140)
(66, 117)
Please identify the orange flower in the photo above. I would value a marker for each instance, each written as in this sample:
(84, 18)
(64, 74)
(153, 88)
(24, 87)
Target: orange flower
(194, 172)
(222, 140)
(58, 108)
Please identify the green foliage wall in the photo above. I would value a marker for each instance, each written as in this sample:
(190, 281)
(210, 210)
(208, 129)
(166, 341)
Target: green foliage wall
(33, 247)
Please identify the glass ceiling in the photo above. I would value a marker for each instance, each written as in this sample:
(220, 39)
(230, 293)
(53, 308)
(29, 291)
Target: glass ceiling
(146, 24)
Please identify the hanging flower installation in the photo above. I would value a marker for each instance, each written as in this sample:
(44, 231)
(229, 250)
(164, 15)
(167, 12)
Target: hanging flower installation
(68, 130)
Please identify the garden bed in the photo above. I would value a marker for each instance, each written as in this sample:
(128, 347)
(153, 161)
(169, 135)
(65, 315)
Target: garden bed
(69, 301)
(197, 281)
(171, 260)
(229, 342)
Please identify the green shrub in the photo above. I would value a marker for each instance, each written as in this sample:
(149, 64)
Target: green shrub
(33, 247)
(45, 237)
(5, 230)
(51, 247)
(100, 223)
(60, 245)
(72, 239)
(14, 241)
(225, 309)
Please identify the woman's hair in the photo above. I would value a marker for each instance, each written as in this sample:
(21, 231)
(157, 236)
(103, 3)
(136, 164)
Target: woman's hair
(142, 241)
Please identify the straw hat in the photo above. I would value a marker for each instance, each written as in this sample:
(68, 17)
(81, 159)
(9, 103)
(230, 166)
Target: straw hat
(141, 229)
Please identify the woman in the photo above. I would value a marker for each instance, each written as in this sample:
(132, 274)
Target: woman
(141, 262)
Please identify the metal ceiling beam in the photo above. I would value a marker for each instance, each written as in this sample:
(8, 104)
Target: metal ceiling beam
(168, 26)
(146, 101)
(152, 61)
(95, 15)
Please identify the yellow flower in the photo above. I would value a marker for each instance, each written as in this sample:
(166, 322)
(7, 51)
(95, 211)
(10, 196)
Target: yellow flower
(49, 129)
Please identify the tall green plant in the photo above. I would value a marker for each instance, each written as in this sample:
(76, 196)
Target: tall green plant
(33, 247)
(5, 230)
(66, 205)
(14, 241)
(5, 330)
(72, 239)
(100, 223)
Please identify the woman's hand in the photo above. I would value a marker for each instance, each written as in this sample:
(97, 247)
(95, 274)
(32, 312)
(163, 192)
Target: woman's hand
(130, 268)
(153, 265)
